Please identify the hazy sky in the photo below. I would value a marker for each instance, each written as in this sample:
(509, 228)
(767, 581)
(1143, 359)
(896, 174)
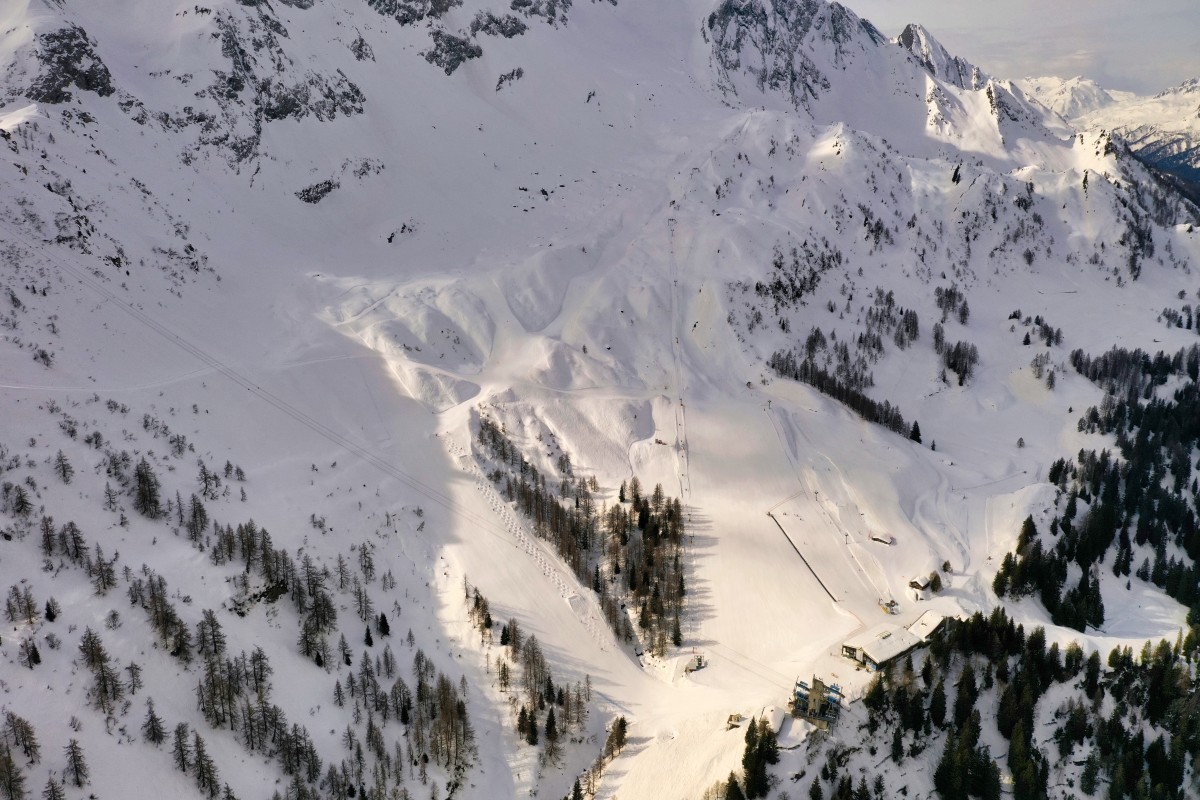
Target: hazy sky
(1135, 45)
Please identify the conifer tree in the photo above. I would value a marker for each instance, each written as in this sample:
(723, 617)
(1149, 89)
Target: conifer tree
(49, 539)
(92, 650)
(937, 704)
(947, 778)
(762, 749)
(1091, 773)
(181, 750)
(63, 467)
(20, 732)
(53, 791)
(146, 500)
(206, 774)
(76, 770)
(152, 727)
(751, 762)
(553, 750)
(135, 676)
(733, 791)
(531, 729)
(768, 744)
(21, 504)
(181, 643)
(964, 700)
(12, 780)
(28, 654)
(502, 674)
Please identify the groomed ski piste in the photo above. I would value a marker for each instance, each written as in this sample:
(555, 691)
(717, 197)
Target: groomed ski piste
(342, 352)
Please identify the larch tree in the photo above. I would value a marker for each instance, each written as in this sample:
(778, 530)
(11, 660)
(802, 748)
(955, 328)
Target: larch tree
(53, 791)
(76, 770)
(63, 468)
(153, 729)
(146, 495)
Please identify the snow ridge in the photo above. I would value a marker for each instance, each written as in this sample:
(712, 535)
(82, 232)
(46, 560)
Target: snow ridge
(935, 58)
(596, 221)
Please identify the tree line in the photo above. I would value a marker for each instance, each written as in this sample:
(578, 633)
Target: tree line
(786, 364)
(1142, 502)
(1127, 726)
(631, 553)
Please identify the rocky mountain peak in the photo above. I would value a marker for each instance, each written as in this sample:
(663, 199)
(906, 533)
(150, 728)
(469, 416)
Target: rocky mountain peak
(934, 57)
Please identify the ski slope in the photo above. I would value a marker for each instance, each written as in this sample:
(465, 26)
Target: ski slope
(576, 255)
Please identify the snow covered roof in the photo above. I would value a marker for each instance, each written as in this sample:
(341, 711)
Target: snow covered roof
(889, 645)
(863, 638)
(883, 642)
(926, 625)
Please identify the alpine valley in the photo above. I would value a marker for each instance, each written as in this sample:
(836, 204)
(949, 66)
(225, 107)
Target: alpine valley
(474, 399)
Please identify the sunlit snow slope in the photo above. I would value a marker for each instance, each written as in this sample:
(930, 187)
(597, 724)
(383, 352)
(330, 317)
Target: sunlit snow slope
(322, 238)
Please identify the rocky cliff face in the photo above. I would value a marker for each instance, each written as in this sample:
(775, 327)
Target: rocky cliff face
(67, 62)
(776, 44)
(930, 53)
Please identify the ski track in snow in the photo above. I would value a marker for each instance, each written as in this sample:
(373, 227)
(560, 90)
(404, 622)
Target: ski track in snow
(595, 264)
(527, 541)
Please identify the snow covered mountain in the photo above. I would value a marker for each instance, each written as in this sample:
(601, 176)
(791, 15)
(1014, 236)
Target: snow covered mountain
(1164, 130)
(1073, 97)
(939, 62)
(433, 278)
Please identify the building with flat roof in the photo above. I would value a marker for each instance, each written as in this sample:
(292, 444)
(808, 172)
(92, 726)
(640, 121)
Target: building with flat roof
(927, 625)
(880, 645)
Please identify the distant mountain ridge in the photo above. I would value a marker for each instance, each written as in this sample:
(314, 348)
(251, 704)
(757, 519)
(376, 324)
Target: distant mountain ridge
(1163, 130)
